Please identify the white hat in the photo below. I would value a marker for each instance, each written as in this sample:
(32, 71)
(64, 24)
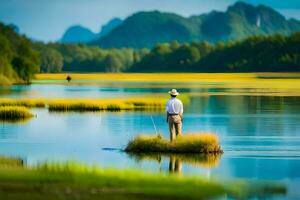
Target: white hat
(173, 92)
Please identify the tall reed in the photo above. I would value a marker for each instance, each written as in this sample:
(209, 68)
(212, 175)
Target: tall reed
(14, 113)
(30, 103)
(106, 104)
(81, 105)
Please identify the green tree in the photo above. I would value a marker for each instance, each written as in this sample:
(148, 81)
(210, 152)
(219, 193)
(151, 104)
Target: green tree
(6, 55)
(51, 61)
(112, 63)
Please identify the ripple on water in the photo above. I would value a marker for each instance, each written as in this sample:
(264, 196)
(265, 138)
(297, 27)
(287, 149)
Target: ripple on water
(279, 147)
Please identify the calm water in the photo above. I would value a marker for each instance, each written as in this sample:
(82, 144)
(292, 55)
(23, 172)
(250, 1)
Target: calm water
(260, 135)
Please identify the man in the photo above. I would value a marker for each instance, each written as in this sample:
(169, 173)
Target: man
(174, 110)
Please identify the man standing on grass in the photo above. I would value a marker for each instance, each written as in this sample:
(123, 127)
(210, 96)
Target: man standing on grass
(174, 110)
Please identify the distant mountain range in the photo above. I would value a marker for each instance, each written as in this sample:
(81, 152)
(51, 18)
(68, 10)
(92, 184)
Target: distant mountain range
(80, 34)
(145, 29)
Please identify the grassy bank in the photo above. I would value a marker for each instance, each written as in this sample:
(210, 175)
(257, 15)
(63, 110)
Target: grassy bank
(70, 180)
(14, 113)
(146, 76)
(74, 181)
(191, 143)
(81, 105)
(275, 84)
(168, 77)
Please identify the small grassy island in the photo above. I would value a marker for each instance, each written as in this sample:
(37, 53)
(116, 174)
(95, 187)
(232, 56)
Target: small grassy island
(191, 143)
(14, 113)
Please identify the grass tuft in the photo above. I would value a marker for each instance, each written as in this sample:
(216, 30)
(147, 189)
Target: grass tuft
(14, 113)
(191, 143)
(30, 103)
(10, 162)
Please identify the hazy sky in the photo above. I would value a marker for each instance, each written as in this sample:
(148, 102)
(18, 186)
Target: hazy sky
(48, 19)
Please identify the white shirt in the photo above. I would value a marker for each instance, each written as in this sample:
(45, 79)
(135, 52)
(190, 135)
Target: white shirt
(174, 106)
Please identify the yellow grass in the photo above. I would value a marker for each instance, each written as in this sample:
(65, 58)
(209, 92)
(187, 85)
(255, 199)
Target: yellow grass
(147, 76)
(14, 113)
(106, 104)
(165, 77)
(277, 84)
(152, 103)
(39, 103)
(10, 162)
(190, 143)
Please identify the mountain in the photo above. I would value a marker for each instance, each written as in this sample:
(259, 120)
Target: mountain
(105, 29)
(144, 29)
(241, 20)
(78, 34)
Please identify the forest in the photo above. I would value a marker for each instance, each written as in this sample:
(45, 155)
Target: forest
(276, 53)
(19, 61)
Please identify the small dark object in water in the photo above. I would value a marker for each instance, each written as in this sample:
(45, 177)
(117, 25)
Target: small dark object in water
(111, 149)
(68, 78)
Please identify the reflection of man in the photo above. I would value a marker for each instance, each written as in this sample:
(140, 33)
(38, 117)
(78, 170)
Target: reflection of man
(175, 165)
(174, 110)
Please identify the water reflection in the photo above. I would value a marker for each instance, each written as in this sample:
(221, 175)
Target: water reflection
(176, 161)
(15, 121)
(175, 165)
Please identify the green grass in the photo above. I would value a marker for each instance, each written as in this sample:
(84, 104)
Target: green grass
(69, 181)
(191, 143)
(4, 80)
(12, 113)
(74, 181)
(7, 161)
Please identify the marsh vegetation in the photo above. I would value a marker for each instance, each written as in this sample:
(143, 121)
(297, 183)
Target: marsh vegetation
(93, 105)
(189, 143)
(14, 113)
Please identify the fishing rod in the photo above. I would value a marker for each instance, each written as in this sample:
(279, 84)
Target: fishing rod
(154, 125)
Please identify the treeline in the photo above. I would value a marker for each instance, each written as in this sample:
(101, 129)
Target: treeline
(173, 57)
(57, 57)
(18, 60)
(276, 53)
